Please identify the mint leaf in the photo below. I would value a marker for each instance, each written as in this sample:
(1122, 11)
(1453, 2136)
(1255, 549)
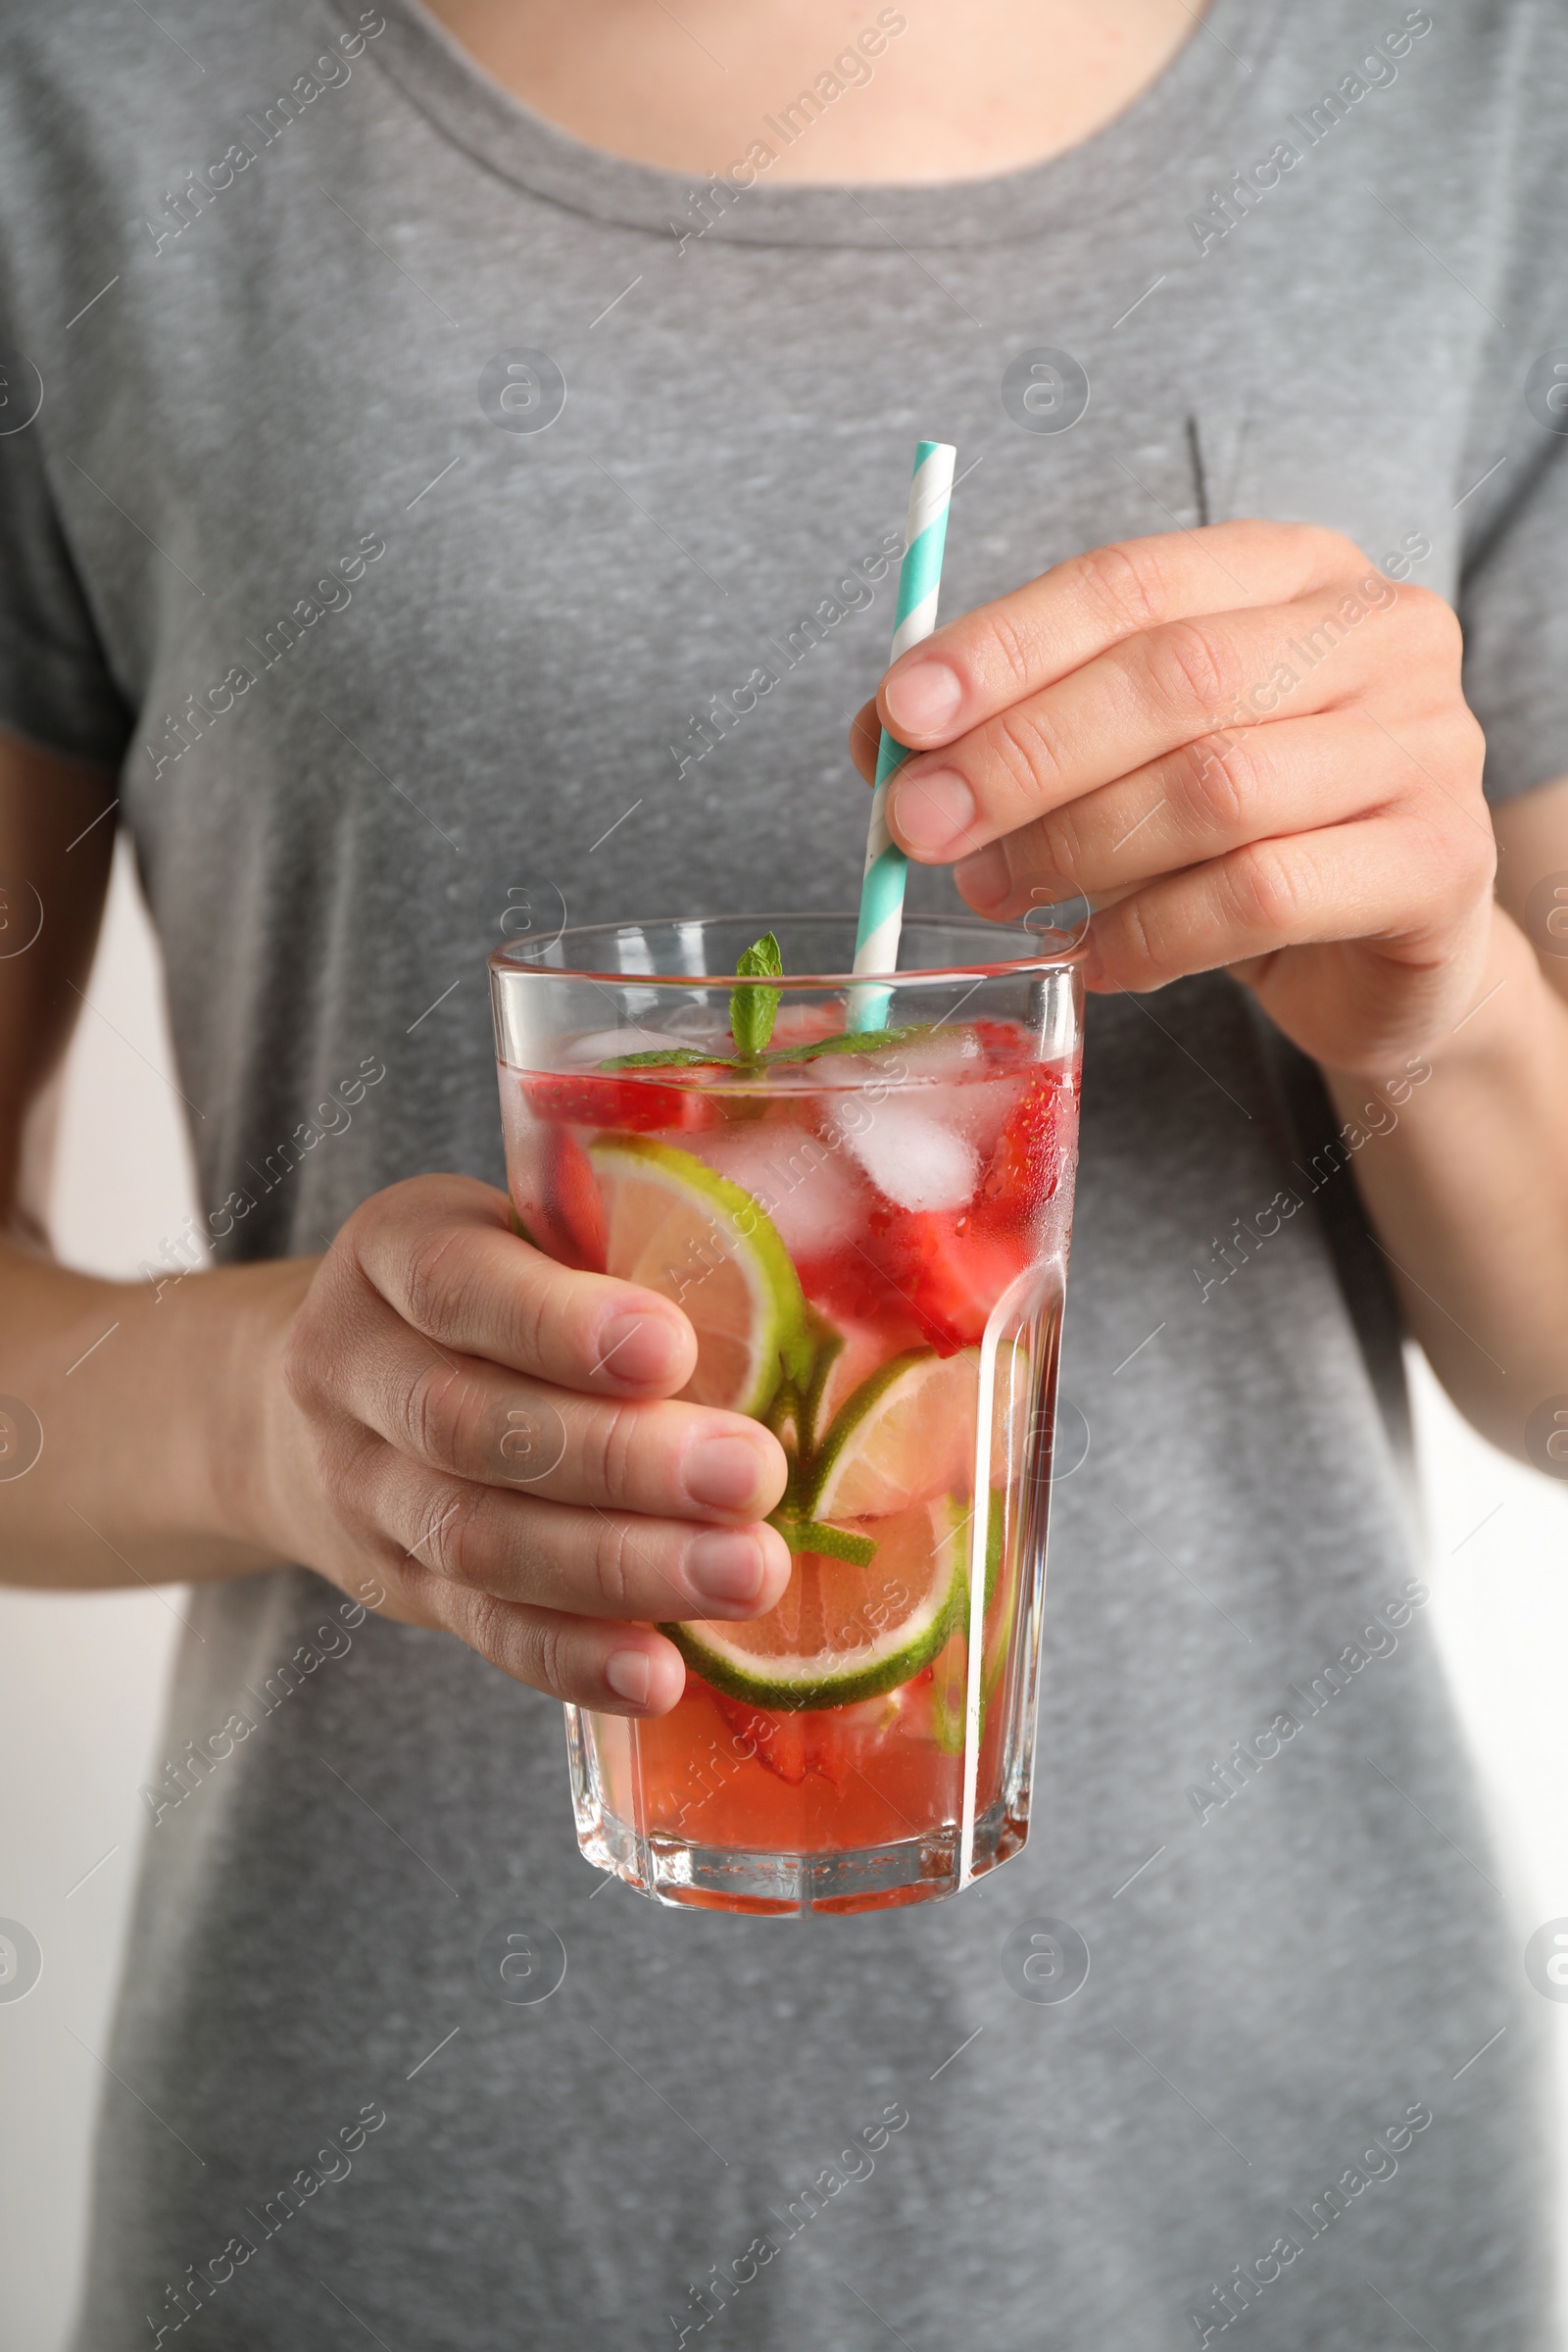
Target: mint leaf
(675, 1057)
(754, 1010)
(853, 1041)
(764, 959)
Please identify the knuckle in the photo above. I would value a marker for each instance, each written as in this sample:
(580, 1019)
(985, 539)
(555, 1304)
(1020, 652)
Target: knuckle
(1483, 872)
(1215, 782)
(1058, 846)
(491, 1626)
(1433, 620)
(1464, 743)
(347, 1457)
(361, 1225)
(430, 1279)
(1143, 947)
(345, 1461)
(539, 1320)
(1267, 889)
(1307, 554)
(612, 1451)
(1455, 749)
(615, 1568)
(1008, 642)
(1125, 585)
(387, 1565)
(1317, 549)
(300, 1365)
(384, 1560)
(443, 1417)
(1192, 664)
(547, 1654)
(1472, 745)
(1464, 880)
(427, 1417)
(455, 1540)
(1465, 856)
(544, 1323)
(1023, 749)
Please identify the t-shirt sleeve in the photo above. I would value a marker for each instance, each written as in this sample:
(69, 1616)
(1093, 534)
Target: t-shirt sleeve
(56, 687)
(1513, 605)
(1512, 594)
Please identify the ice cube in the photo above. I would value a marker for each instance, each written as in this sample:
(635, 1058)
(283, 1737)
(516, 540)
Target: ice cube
(803, 1024)
(941, 1053)
(958, 1088)
(836, 1073)
(806, 1185)
(926, 1061)
(980, 1109)
(605, 1044)
(911, 1158)
(699, 1026)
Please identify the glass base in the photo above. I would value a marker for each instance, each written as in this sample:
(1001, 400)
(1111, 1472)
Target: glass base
(876, 1878)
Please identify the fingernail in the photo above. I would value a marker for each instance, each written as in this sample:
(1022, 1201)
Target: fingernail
(984, 880)
(724, 1473)
(626, 1672)
(923, 697)
(636, 1347)
(724, 1569)
(931, 812)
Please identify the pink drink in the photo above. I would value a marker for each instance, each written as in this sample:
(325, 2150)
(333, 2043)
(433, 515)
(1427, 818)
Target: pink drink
(870, 1245)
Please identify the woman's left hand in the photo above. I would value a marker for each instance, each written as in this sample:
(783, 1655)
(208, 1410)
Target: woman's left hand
(1247, 747)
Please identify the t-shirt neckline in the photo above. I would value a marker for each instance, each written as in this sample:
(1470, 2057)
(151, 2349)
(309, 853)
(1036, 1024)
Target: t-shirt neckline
(1166, 122)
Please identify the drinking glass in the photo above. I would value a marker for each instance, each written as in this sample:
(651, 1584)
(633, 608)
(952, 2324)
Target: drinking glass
(869, 1232)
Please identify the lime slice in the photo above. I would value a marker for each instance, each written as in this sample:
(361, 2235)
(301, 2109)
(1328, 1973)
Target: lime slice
(848, 1352)
(844, 1633)
(681, 1229)
(841, 1359)
(830, 1543)
(950, 1693)
(949, 1697)
(788, 1417)
(904, 1434)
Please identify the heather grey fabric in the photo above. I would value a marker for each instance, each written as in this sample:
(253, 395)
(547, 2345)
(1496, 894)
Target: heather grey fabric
(380, 666)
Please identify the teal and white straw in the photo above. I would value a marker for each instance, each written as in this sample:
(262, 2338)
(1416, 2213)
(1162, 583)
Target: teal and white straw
(876, 944)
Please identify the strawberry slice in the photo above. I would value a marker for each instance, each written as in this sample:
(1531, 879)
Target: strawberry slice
(567, 1221)
(951, 1271)
(924, 1278)
(1027, 1167)
(1005, 1046)
(791, 1744)
(931, 1277)
(635, 1105)
(852, 1286)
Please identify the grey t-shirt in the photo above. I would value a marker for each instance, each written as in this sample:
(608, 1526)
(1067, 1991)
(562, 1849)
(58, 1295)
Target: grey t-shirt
(392, 649)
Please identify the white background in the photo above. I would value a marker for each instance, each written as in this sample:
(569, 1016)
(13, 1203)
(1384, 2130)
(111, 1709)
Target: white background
(81, 1679)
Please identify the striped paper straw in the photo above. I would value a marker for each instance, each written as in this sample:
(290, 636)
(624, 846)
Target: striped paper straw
(876, 944)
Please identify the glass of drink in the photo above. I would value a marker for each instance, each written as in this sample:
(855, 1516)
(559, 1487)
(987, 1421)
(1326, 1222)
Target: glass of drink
(868, 1233)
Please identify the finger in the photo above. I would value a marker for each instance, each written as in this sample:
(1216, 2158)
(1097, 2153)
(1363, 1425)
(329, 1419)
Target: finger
(458, 1414)
(1132, 704)
(587, 1562)
(1194, 805)
(1384, 878)
(440, 1251)
(615, 1669)
(975, 667)
(866, 740)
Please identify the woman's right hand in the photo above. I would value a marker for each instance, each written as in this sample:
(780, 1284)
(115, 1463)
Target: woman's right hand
(495, 1439)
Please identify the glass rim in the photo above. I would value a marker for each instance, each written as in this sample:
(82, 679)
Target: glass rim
(514, 958)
